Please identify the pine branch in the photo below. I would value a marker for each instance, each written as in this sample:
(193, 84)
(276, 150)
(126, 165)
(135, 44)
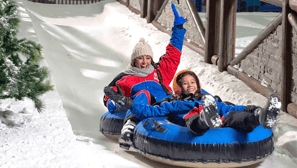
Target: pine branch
(20, 73)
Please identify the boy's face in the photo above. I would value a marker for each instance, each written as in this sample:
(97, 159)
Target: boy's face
(189, 84)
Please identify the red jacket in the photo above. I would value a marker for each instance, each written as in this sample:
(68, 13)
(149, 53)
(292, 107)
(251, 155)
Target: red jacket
(131, 84)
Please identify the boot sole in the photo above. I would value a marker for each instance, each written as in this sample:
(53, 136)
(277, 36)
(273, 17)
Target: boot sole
(124, 146)
(270, 114)
(212, 118)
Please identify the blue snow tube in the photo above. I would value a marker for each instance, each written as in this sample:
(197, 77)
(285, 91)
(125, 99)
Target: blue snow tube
(161, 140)
(111, 124)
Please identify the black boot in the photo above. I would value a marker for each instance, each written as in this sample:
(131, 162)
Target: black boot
(268, 116)
(118, 98)
(210, 115)
(126, 138)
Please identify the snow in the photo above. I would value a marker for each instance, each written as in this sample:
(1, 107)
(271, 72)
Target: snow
(85, 47)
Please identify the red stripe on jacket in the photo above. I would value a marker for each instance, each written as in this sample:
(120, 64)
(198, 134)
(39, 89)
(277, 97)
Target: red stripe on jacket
(193, 112)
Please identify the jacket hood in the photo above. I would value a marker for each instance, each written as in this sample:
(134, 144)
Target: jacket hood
(177, 88)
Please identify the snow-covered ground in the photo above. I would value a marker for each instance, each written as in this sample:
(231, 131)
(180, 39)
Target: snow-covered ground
(85, 47)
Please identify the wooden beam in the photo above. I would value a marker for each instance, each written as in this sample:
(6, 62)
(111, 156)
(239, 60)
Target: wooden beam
(227, 33)
(143, 8)
(212, 28)
(150, 11)
(221, 39)
(293, 20)
(251, 82)
(273, 25)
(156, 7)
(199, 49)
(273, 2)
(160, 10)
(197, 19)
(292, 109)
(285, 57)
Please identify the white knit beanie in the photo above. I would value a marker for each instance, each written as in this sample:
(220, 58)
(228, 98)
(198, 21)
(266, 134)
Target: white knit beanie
(142, 48)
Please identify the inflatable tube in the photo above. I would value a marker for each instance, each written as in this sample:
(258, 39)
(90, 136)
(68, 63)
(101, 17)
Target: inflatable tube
(161, 140)
(111, 124)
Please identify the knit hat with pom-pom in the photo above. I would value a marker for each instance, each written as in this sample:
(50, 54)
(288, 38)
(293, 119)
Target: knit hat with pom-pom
(142, 48)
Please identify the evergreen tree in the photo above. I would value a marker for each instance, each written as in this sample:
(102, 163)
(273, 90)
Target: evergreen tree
(20, 74)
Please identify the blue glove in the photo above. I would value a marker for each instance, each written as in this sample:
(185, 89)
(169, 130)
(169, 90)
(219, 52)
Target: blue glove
(178, 12)
(115, 107)
(111, 106)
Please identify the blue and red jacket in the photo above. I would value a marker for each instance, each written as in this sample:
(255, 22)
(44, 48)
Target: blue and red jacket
(131, 85)
(176, 107)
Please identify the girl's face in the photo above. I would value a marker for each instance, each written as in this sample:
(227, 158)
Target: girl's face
(189, 84)
(143, 62)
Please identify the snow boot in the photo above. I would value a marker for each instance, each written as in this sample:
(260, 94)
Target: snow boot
(118, 97)
(126, 138)
(268, 116)
(210, 115)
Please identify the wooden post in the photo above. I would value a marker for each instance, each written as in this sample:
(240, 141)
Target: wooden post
(157, 5)
(143, 10)
(273, 25)
(227, 33)
(293, 21)
(150, 11)
(160, 10)
(273, 2)
(292, 109)
(212, 28)
(197, 20)
(221, 38)
(286, 57)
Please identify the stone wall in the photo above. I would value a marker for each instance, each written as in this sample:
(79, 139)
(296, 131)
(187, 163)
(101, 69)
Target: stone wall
(166, 19)
(264, 62)
(135, 4)
(294, 67)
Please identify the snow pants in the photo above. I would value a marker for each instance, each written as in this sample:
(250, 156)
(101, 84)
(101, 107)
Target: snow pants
(244, 121)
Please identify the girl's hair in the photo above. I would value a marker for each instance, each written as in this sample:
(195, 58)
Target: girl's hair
(179, 83)
(166, 90)
(180, 77)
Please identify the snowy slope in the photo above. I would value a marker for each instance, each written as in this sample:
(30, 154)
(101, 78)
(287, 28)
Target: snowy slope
(85, 46)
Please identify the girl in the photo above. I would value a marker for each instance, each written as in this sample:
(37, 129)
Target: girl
(201, 111)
